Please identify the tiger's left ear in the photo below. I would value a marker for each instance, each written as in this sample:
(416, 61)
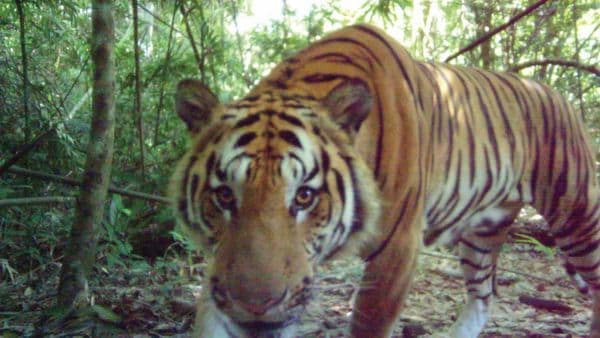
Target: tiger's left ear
(194, 103)
(349, 103)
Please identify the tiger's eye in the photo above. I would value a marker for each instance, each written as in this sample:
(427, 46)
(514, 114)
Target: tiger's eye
(225, 196)
(304, 197)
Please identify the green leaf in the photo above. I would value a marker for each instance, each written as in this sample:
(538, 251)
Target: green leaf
(106, 314)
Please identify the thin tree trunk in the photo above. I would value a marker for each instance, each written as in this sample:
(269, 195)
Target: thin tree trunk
(24, 65)
(81, 249)
(199, 58)
(483, 20)
(164, 72)
(138, 88)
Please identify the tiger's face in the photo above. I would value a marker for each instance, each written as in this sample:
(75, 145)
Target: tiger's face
(270, 187)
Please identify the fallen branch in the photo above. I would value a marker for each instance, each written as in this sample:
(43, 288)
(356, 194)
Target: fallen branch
(36, 200)
(567, 63)
(546, 304)
(74, 182)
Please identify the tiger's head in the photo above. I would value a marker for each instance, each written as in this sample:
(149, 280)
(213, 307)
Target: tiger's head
(270, 187)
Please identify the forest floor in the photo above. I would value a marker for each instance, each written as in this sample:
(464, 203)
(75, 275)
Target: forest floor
(150, 301)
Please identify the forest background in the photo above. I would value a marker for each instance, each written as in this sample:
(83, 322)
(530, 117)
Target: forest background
(46, 108)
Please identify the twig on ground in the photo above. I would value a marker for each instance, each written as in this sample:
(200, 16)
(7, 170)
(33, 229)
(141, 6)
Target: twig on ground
(454, 258)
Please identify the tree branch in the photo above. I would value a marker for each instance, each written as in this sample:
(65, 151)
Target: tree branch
(9, 202)
(70, 181)
(496, 30)
(24, 149)
(567, 63)
(159, 19)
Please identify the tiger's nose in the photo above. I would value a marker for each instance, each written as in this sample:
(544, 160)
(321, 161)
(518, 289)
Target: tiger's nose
(260, 307)
(253, 303)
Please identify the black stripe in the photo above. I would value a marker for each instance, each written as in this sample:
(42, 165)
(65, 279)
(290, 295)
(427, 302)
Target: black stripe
(324, 77)
(297, 158)
(507, 127)
(385, 242)
(334, 57)
(358, 214)
(391, 50)
(446, 120)
(252, 98)
(246, 121)
(324, 161)
(290, 138)
(182, 204)
(313, 172)
(194, 187)
(241, 105)
(210, 164)
(431, 237)
(379, 149)
(317, 132)
(245, 139)
(268, 112)
(340, 187)
(587, 268)
(221, 175)
(484, 297)
(291, 119)
(350, 41)
(474, 247)
(468, 112)
(587, 250)
(476, 266)
(560, 185)
(480, 279)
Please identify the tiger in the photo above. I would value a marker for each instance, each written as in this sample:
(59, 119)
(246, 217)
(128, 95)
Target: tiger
(353, 147)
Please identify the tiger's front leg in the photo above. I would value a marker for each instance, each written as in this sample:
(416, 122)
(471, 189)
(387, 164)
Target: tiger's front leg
(208, 323)
(386, 282)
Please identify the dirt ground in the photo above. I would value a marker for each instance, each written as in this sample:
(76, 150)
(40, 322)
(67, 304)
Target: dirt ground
(153, 301)
(437, 296)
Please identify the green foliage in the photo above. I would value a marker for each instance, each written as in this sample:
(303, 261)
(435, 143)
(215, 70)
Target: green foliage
(526, 239)
(386, 9)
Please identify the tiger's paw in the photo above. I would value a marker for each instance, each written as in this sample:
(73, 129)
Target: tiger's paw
(471, 321)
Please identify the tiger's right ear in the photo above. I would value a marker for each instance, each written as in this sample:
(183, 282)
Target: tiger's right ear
(193, 103)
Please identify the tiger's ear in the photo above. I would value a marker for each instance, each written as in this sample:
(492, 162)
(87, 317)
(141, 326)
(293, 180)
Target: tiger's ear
(349, 103)
(193, 103)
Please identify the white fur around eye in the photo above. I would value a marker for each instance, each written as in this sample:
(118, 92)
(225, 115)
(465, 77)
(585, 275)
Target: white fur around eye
(303, 214)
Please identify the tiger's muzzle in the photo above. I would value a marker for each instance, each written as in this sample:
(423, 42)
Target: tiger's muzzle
(265, 314)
